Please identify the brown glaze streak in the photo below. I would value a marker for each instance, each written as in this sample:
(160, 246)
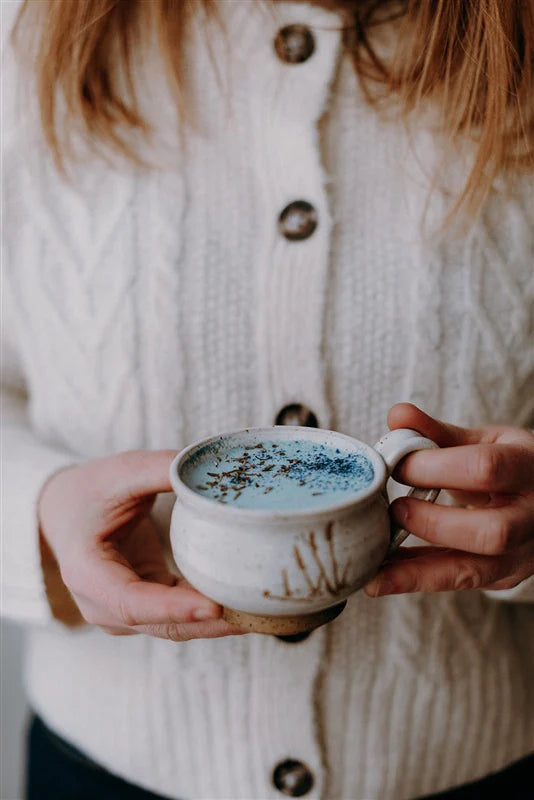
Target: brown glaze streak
(323, 575)
(323, 580)
(304, 569)
(287, 587)
(328, 537)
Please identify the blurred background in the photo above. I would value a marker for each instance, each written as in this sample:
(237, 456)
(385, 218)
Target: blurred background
(13, 707)
(13, 711)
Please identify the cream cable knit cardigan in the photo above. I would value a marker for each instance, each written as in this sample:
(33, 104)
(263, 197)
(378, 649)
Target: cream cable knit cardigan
(149, 308)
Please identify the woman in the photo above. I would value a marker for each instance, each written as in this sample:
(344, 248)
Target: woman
(241, 213)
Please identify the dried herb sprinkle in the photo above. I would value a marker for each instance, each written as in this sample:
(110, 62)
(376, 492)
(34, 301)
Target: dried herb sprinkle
(298, 474)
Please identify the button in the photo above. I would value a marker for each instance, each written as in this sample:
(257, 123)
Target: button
(294, 44)
(298, 220)
(297, 414)
(294, 637)
(292, 778)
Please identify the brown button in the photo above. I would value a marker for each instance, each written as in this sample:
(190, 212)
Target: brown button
(298, 220)
(292, 778)
(294, 44)
(294, 637)
(297, 414)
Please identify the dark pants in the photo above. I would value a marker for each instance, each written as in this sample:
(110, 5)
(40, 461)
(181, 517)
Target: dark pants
(58, 771)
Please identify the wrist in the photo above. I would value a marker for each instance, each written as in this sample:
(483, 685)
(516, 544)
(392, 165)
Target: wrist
(60, 600)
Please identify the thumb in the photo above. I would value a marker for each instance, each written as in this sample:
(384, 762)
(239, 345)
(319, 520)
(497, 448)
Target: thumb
(406, 415)
(143, 472)
(133, 601)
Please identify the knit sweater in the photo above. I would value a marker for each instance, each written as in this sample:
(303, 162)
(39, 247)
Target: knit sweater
(148, 307)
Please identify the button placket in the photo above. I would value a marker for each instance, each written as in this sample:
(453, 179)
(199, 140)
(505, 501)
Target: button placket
(291, 272)
(292, 269)
(301, 415)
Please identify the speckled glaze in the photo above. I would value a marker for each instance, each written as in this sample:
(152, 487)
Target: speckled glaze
(287, 564)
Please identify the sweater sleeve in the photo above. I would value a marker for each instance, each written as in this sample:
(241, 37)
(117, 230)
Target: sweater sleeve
(31, 589)
(27, 462)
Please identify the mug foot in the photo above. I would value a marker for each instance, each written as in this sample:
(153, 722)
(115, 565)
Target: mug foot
(281, 626)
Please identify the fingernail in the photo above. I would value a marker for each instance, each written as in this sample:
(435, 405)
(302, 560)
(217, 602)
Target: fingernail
(400, 510)
(206, 612)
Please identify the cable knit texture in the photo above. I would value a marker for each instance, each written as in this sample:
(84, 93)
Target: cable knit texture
(148, 308)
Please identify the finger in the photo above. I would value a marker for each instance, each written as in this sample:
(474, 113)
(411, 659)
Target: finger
(192, 630)
(478, 499)
(156, 574)
(406, 415)
(404, 553)
(118, 630)
(486, 531)
(511, 581)
(124, 599)
(440, 571)
(144, 472)
(477, 468)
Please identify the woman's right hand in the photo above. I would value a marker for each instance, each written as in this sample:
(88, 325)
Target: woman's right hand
(94, 518)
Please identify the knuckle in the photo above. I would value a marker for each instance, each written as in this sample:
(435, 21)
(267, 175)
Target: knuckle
(175, 633)
(488, 466)
(467, 577)
(171, 631)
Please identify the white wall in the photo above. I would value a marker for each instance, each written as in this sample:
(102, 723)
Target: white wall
(13, 712)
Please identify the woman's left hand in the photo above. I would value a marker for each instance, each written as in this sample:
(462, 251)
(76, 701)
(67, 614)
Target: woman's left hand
(488, 543)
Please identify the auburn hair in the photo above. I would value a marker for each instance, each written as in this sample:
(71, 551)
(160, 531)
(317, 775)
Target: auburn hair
(474, 61)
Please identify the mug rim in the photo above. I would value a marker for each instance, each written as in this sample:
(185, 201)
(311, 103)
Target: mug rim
(358, 498)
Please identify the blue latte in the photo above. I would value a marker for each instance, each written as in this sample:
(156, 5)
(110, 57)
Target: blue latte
(277, 475)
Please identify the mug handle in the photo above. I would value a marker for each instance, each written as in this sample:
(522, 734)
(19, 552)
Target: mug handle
(393, 447)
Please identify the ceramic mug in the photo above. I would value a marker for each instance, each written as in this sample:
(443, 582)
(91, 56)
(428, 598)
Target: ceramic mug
(288, 571)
